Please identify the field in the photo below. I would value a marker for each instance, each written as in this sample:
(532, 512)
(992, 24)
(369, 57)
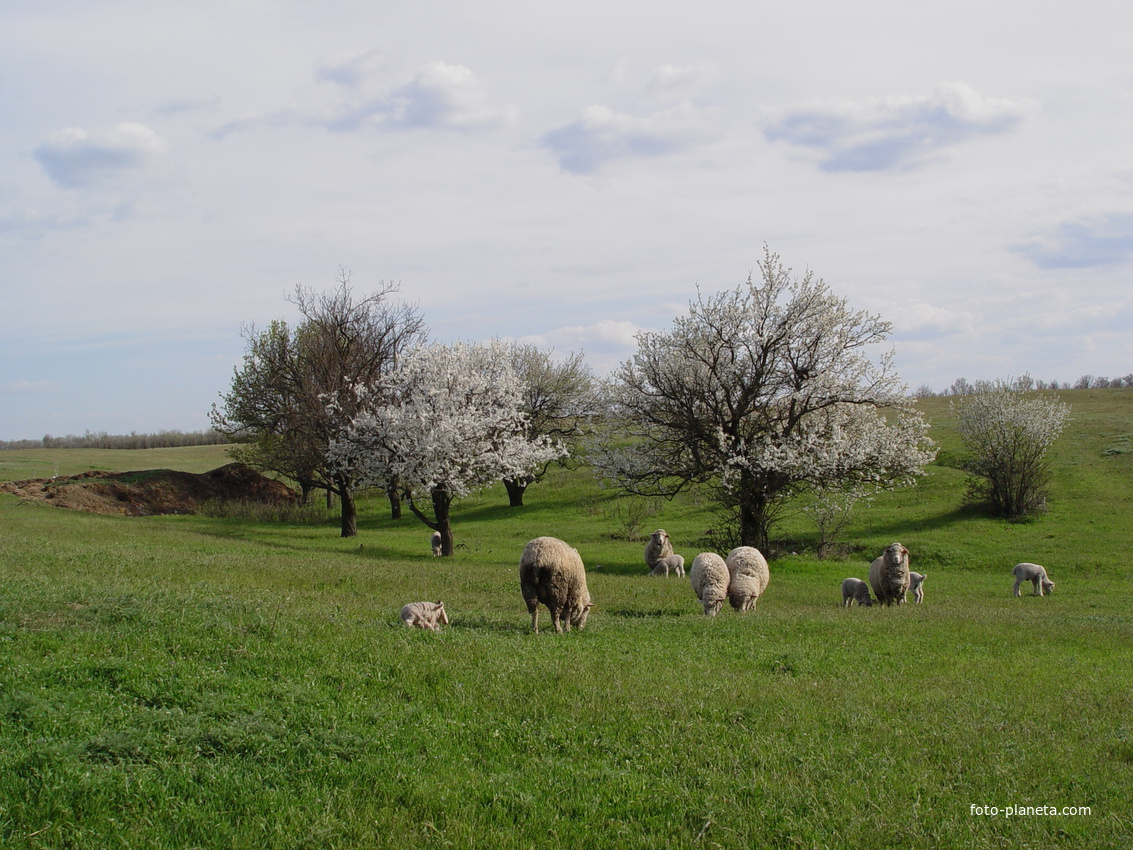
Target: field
(187, 681)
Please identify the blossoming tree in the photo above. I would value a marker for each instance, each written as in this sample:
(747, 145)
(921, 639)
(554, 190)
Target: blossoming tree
(761, 393)
(446, 422)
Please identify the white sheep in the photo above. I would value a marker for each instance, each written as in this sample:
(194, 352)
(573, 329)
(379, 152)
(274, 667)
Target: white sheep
(889, 575)
(1036, 575)
(748, 577)
(670, 563)
(916, 586)
(435, 542)
(551, 572)
(425, 615)
(709, 576)
(657, 548)
(855, 590)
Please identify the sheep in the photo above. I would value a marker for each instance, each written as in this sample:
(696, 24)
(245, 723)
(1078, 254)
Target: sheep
(916, 586)
(551, 572)
(657, 548)
(1036, 575)
(748, 577)
(709, 576)
(889, 575)
(435, 542)
(670, 563)
(425, 615)
(855, 590)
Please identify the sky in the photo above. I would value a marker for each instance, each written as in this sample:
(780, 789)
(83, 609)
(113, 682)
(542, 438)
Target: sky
(565, 174)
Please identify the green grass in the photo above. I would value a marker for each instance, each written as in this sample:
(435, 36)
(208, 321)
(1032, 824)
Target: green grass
(220, 682)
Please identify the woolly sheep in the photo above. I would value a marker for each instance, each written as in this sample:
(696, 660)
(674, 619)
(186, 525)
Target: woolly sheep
(1036, 575)
(855, 590)
(670, 563)
(657, 548)
(435, 542)
(889, 575)
(916, 586)
(425, 615)
(709, 576)
(748, 577)
(551, 572)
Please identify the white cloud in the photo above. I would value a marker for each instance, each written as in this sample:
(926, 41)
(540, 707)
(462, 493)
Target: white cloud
(74, 157)
(443, 95)
(607, 343)
(682, 82)
(600, 135)
(881, 134)
(1102, 240)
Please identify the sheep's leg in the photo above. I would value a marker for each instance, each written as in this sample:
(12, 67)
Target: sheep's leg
(1018, 582)
(535, 619)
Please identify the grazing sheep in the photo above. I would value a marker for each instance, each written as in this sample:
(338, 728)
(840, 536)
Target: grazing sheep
(889, 575)
(1036, 575)
(855, 590)
(709, 576)
(425, 615)
(551, 572)
(657, 548)
(748, 577)
(435, 542)
(673, 563)
(916, 586)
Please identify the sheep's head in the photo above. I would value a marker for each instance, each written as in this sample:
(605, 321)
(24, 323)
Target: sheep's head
(1048, 587)
(578, 615)
(442, 615)
(895, 553)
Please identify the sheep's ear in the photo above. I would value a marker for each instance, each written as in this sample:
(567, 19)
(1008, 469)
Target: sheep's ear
(440, 604)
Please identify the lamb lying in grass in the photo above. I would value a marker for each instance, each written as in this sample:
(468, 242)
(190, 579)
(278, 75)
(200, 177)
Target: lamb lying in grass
(425, 615)
(1036, 575)
(855, 590)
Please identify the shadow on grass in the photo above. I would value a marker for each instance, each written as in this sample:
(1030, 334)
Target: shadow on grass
(946, 520)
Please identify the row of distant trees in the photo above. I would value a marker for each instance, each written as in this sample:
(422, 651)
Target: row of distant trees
(962, 386)
(133, 440)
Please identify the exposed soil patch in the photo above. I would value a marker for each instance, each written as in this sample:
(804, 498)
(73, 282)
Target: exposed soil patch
(154, 491)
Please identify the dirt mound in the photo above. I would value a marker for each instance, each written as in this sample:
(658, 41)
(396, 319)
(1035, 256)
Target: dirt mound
(154, 491)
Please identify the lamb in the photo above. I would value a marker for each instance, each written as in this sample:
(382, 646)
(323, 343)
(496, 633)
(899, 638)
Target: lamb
(889, 575)
(425, 615)
(435, 542)
(670, 563)
(709, 576)
(1036, 575)
(748, 577)
(551, 572)
(916, 582)
(657, 548)
(855, 590)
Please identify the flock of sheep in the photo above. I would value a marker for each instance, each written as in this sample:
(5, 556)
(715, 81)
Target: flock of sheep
(551, 573)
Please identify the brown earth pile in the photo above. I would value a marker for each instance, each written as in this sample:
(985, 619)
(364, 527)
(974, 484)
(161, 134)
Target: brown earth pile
(154, 491)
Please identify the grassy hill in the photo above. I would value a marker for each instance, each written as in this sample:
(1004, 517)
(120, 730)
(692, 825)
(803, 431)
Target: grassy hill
(222, 682)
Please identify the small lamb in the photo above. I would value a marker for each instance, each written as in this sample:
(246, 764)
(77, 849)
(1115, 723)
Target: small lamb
(435, 542)
(1036, 575)
(855, 590)
(670, 563)
(425, 615)
(916, 582)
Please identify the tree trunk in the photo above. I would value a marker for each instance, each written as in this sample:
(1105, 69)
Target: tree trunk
(753, 516)
(515, 489)
(394, 493)
(442, 506)
(349, 509)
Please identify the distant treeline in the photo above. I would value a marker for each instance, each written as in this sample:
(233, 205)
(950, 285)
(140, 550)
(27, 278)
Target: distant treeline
(102, 440)
(962, 386)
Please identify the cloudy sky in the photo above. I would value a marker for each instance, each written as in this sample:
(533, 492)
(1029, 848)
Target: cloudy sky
(563, 173)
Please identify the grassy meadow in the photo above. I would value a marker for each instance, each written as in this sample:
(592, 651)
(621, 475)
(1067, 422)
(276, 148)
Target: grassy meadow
(189, 681)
